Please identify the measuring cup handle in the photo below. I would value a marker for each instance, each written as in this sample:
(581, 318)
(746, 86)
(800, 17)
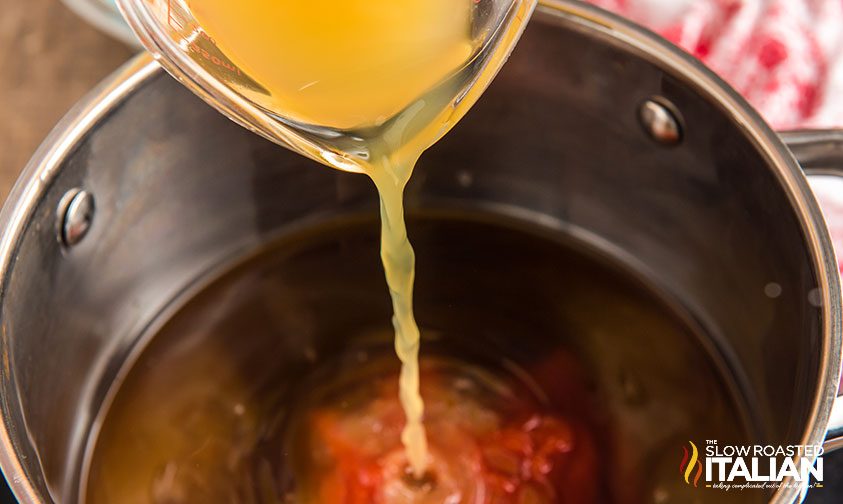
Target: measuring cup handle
(820, 153)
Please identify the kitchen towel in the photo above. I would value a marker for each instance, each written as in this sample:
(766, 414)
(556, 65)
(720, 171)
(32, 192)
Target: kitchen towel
(784, 56)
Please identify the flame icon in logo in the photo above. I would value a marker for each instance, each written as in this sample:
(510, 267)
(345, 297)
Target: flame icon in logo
(690, 463)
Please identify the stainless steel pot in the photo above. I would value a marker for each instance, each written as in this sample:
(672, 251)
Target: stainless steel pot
(595, 127)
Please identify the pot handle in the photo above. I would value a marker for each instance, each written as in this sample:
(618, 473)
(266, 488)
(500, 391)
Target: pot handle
(820, 153)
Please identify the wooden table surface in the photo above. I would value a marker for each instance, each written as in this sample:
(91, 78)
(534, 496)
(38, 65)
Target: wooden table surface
(49, 59)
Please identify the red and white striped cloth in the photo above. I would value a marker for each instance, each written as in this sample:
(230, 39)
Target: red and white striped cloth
(784, 56)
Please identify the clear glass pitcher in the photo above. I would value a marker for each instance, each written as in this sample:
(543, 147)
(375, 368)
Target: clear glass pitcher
(172, 33)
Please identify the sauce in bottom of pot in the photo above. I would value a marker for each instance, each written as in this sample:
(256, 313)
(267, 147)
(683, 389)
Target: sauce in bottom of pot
(269, 386)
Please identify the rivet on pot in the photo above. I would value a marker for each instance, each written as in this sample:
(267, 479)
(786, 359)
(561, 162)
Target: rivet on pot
(660, 121)
(75, 214)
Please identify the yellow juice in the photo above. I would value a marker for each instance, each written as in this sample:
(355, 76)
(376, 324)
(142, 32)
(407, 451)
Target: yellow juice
(384, 74)
(343, 64)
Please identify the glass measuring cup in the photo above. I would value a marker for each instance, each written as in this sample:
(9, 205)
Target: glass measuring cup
(170, 30)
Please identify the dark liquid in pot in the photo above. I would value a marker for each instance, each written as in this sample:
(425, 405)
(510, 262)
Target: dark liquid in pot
(552, 374)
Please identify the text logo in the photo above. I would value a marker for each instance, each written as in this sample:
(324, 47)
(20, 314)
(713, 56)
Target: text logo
(741, 467)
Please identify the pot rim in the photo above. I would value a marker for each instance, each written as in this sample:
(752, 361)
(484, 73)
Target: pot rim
(42, 169)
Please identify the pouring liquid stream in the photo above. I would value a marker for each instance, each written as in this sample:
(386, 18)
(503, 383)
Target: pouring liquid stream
(377, 82)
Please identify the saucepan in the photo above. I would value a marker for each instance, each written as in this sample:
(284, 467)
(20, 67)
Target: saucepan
(596, 128)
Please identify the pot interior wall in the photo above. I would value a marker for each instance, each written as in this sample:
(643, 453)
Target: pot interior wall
(253, 378)
(180, 190)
